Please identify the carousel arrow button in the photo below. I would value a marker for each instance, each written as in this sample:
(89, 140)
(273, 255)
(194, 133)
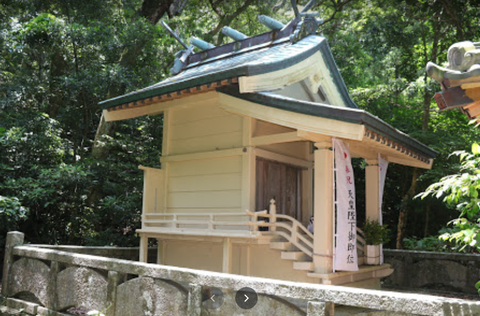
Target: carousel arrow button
(212, 297)
(246, 298)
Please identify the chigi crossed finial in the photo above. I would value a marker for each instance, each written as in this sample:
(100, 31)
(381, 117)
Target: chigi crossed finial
(302, 25)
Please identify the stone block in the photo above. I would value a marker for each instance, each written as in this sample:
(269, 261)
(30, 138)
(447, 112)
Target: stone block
(266, 305)
(146, 296)
(29, 275)
(27, 307)
(83, 287)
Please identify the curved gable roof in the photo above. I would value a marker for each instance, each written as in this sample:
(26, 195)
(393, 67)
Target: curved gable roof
(252, 61)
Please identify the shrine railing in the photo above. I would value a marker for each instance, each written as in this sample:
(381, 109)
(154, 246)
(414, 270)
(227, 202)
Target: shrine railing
(287, 227)
(198, 223)
(294, 231)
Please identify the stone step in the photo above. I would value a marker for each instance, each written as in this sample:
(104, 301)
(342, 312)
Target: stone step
(303, 265)
(281, 245)
(294, 255)
(7, 311)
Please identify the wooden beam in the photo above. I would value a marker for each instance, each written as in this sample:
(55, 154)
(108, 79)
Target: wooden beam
(457, 97)
(473, 110)
(314, 124)
(410, 162)
(206, 155)
(313, 137)
(282, 158)
(276, 139)
(470, 85)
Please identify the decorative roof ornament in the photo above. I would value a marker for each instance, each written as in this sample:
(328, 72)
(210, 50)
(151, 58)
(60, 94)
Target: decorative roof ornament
(460, 79)
(301, 26)
(182, 56)
(308, 22)
(272, 24)
(233, 34)
(201, 44)
(463, 63)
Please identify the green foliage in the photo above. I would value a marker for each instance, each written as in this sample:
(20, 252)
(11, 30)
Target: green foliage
(11, 213)
(430, 243)
(58, 59)
(437, 243)
(375, 234)
(460, 190)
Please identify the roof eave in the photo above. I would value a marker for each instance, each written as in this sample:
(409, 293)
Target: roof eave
(350, 115)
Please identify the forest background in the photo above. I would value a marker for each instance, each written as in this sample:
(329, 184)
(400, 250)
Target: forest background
(61, 182)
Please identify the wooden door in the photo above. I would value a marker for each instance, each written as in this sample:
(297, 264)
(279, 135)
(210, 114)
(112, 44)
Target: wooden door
(282, 182)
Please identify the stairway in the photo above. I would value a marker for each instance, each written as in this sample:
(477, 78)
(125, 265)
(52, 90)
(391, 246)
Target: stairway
(300, 260)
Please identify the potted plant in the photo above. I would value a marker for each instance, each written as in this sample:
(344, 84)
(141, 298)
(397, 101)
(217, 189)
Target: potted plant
(375, 235)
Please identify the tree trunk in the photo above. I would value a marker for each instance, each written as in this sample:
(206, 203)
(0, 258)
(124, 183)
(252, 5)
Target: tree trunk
(402, 216)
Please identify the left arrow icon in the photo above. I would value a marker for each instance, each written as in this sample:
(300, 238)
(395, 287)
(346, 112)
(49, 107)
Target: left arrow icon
(212, 297)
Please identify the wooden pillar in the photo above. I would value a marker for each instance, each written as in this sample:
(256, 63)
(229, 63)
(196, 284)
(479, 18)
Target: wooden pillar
(143, 248)
(323, 208)
(160, 251)
(248, 166)
(13, 239)
(227, 256)
(273, 214)
(372, 192)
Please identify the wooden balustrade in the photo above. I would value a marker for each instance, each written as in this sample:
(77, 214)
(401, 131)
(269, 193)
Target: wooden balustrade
(237, 223)
(287, 227)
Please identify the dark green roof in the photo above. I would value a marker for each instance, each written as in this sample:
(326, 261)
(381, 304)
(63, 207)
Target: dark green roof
(251, 61)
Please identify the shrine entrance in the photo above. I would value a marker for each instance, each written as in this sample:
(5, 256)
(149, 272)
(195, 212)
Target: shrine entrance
(281, 182)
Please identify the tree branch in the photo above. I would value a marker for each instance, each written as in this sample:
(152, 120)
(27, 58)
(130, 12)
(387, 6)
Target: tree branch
(225, 20)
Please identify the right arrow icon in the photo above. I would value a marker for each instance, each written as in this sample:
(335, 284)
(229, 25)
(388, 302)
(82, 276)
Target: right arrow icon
(246, 298)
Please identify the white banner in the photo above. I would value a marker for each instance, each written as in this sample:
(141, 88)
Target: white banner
(346, 245)
(383, 165)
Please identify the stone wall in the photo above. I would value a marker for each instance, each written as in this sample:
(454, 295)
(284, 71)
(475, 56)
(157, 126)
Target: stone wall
(43, 281)
(125, 253)
(433, 270)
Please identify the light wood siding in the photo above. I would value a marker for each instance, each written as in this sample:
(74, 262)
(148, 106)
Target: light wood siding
(153, 190)
(205, 128)
(207, 185)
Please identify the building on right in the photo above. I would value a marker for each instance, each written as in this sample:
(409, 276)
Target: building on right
(460, 79)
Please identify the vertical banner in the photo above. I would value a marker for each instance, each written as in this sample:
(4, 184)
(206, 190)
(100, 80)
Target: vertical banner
(383, 165)
(346, 246)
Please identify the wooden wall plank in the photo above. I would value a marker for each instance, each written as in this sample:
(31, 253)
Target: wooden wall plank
(225, 181)
(207, 143)
(205, 199)
(206, 166)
